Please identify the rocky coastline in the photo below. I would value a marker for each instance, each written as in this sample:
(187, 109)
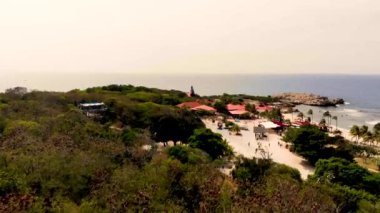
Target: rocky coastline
(308, 99)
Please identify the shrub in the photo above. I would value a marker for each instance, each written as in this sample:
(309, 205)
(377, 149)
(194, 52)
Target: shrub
(211, 143)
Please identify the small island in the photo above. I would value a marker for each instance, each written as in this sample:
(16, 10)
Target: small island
(308, 99)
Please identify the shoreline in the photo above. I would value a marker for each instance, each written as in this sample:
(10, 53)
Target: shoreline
(345, 132)
(347, 115)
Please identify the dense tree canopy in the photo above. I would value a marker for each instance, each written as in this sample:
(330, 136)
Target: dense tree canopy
(308, 141)
(343, 172)
(54, 158)
(312, 143)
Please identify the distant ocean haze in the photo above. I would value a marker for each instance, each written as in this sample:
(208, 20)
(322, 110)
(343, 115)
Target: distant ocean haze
(361, 92)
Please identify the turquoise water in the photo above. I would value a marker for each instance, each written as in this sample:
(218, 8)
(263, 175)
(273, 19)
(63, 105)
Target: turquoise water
(362, 93)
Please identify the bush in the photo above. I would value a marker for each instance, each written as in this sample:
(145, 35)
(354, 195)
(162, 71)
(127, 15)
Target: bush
(343, 172)
(211, 143)
(187, 154)
(311, 143)
(250, 170)
(350, 200)
(15, 127)
(10, 183)
(285, 172)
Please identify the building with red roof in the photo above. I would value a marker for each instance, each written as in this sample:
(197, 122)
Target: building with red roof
(236, 109)
(264, 108)
(189, 105)
(196, 106)
(238, 112)
(205, 108)
(300, 123)
(233, 107)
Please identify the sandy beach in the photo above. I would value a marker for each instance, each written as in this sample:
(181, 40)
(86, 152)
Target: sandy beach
(246, 145)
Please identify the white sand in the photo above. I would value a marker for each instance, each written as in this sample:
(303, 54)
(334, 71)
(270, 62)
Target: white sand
(278, 153)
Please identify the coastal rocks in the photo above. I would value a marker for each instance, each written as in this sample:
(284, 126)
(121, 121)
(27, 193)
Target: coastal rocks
(308, 99)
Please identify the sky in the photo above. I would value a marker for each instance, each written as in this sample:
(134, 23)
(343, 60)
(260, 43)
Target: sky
(197, 36)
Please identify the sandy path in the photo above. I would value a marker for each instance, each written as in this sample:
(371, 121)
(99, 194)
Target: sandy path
(246, 145)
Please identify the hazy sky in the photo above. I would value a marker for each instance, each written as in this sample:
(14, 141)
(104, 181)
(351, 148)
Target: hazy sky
(212, 36)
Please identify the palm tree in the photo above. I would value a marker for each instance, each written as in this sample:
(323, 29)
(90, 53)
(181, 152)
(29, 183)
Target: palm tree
(328, 115)
(376, 132)
(300, 115)
(355, 132)
(235, 128)
(336, 121)
(293, 111)
(322, 124)
(363, 130)
(377, 138)
(369, 137)
(376, 129)
(310, 112)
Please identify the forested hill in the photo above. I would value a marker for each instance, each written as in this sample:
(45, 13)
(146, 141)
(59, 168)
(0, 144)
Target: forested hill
(56, 157)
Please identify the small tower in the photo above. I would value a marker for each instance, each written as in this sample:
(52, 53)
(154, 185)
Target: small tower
(192, 93)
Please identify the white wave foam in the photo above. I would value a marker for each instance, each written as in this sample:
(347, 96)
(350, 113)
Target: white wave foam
(372, 122)
(347, 103)
(353, 112)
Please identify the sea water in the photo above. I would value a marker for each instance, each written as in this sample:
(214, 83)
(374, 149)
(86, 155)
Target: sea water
(361, 92)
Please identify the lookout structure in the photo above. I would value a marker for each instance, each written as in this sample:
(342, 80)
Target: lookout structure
(93, 110)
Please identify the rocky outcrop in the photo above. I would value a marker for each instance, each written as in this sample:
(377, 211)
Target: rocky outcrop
(308, 99)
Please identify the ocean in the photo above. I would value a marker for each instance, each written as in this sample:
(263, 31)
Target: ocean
(361, 92)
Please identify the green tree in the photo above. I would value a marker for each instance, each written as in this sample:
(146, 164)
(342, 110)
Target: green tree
(336, 121)
(310, 112)
(3, 124)
(355, 132)
(211, 143)
(174, 125)
(322, 124)
(363, 130)
(274, 114)
(10, 183)
(328, 115)
(376, 131)
(369, 137)
(235, 128)
(376, 128)
(250, 170)
(308, 141)
(251, 108)
(300, 115)
(220, 107)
